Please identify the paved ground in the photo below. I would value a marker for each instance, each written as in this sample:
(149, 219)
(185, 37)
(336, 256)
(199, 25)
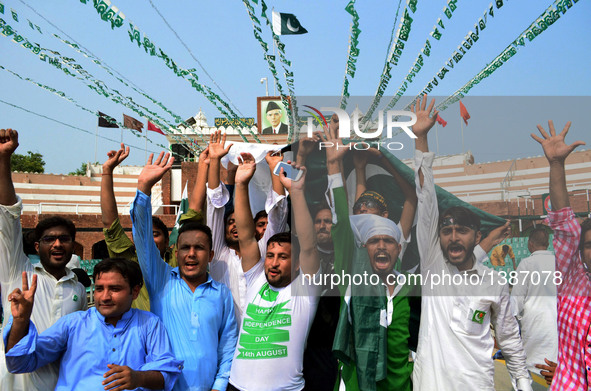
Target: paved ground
(503, 380)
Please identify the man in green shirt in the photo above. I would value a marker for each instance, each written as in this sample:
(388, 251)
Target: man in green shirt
(373, 331)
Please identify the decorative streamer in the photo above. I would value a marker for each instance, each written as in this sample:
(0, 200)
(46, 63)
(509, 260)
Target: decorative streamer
(64, 96)
(353, 51)
(81, 49)
(396, 51)
(537, 27)
(193, 56)
(469, 40)
(98, 86)
(448, 11)
(189, 75)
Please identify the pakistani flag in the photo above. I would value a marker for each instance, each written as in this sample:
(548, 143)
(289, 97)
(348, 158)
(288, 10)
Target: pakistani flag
(287, 24)
(183, 208)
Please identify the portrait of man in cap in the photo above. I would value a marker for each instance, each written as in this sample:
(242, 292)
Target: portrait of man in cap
(273, 115)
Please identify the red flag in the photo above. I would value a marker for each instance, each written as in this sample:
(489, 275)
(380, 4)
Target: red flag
(154, 128)
(440, 121)
(132, 123)
(464, 113)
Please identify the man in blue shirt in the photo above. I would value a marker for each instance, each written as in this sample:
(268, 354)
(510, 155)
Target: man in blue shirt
(110, 345)
(198, 312)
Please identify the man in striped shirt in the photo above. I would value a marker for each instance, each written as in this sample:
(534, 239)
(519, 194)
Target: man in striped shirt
(572, 244)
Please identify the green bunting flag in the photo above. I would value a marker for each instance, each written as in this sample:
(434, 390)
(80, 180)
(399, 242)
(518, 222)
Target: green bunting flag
(287, 24)
(537, 27)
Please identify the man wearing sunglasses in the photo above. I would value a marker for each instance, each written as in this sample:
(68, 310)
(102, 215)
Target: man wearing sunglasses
(58, 291)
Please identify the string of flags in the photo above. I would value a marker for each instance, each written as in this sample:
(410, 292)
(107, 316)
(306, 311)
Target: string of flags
(353, 52)
(551, 15)
(424, 53)
(67, 64)
(402, 36)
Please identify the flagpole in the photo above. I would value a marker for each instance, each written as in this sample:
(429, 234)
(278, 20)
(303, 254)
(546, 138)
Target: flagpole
(462, 125)
(95, 142)
(437, 136)
(121, 135)
(146, 137)
(274, 79)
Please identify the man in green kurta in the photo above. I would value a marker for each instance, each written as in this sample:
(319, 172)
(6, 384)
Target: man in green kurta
(372, 335)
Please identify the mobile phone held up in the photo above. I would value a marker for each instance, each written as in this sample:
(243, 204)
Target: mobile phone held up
(292, 173)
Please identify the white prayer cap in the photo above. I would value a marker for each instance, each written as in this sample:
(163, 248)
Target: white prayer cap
(365, 226)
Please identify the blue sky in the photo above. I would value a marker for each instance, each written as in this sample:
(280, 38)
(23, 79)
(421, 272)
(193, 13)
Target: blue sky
(220, 35)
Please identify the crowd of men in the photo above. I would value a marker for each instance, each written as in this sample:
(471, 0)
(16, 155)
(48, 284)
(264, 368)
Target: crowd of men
(243, 303)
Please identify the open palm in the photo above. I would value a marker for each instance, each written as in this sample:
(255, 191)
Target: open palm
(425, 121)
(555, 148)
(246, 168)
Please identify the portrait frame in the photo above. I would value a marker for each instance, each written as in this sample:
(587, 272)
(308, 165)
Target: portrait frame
(262, 103)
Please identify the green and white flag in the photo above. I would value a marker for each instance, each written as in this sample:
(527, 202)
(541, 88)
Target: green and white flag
(287, 24)
(183, 208)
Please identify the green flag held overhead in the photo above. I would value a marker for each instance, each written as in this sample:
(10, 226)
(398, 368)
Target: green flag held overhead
(287, 24)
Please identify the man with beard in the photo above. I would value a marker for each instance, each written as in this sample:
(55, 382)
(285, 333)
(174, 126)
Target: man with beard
(320, 364)
(457, 314)
(197, 311)
(281, 302)
(228, 267)
(58, 291)
(572, 245)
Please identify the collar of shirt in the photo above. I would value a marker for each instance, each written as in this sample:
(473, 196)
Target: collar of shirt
(122, 322)
(69, 274)
(477, 268)
(542, 252)
(175, 272)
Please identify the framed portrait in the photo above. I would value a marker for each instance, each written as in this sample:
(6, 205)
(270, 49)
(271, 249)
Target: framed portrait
(272, 116)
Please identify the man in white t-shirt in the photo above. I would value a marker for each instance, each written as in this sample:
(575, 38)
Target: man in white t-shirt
(281, 303)
(228, 266)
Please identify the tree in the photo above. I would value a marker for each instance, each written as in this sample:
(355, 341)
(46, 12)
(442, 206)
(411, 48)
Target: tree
(31, 162)
(81, 170)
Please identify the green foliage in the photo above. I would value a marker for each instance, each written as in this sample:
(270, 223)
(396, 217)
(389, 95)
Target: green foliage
(80, 171)
(31, 162)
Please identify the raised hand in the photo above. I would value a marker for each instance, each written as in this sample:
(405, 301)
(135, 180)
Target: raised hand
(273, 158)
(216, 145)
(152, 173)
(246, 168)
(204, 156)
(336, 151)
(307, 144)
(555, 148)
(115, 158)
(425, 121)
(8, 141)
(21, 301)
(496, 236)
(292, 185)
